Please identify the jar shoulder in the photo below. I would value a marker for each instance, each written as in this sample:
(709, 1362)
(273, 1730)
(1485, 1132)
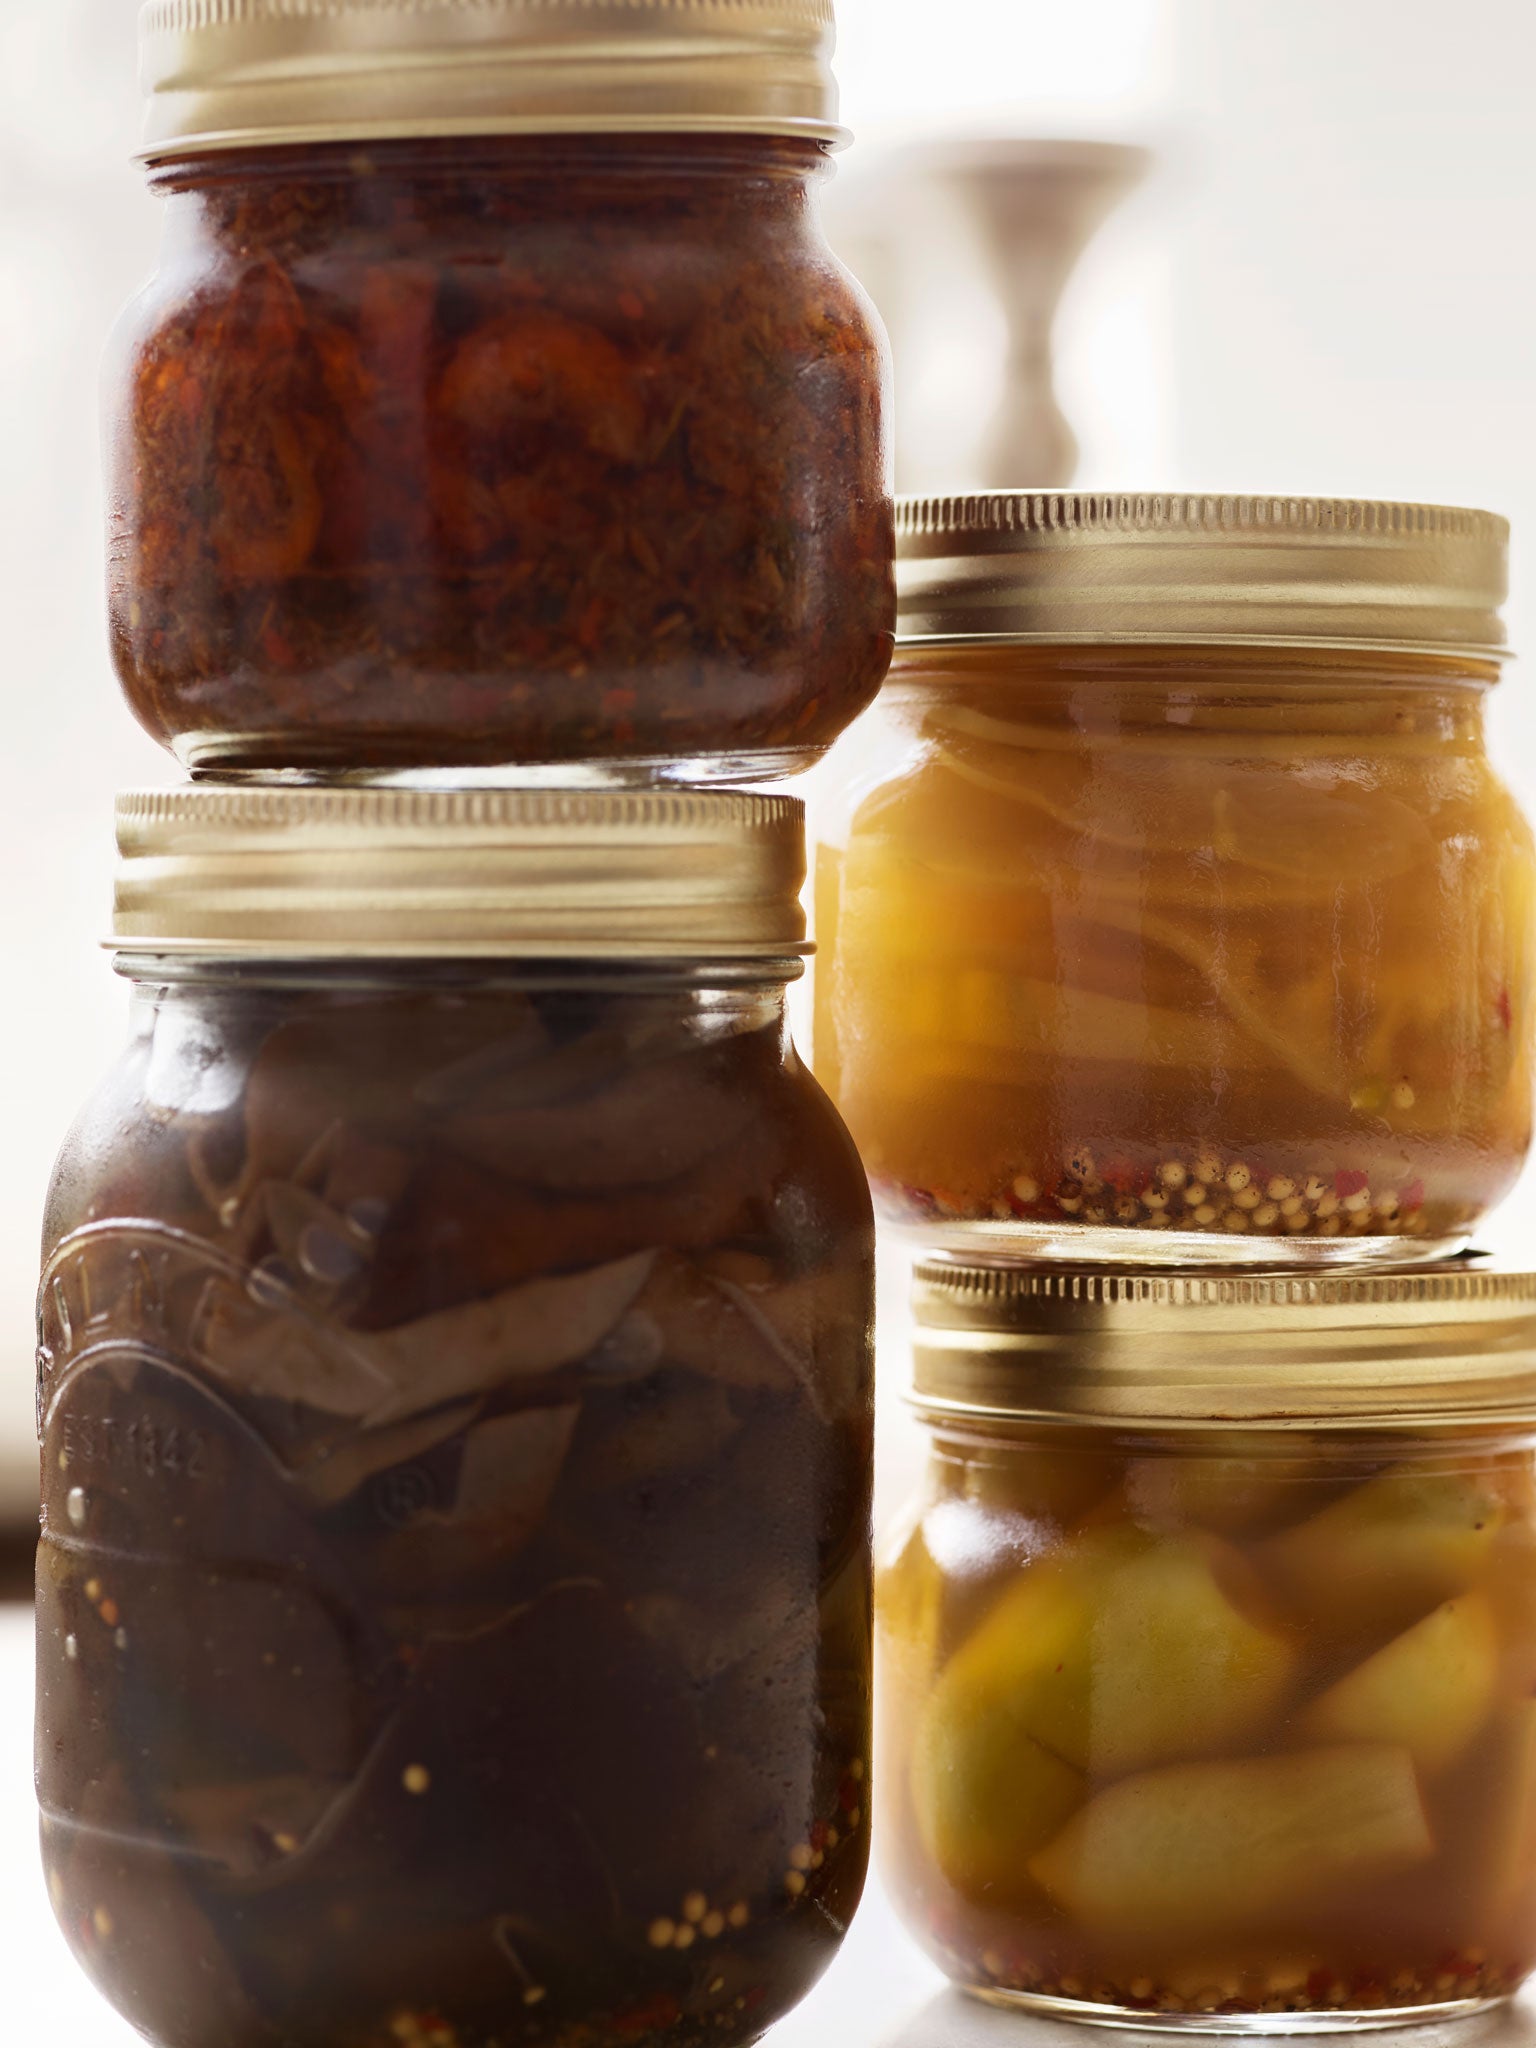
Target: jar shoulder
(389, 1164)
(638, 249)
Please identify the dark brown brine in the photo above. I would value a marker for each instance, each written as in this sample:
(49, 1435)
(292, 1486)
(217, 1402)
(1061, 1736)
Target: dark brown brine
(454, 1588)
(501, 452)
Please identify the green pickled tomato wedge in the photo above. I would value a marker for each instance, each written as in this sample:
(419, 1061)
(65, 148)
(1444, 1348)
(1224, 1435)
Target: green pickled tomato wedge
(1430, 1689)
(1120, 1651)
(1196, 1850)
(1386, 1553)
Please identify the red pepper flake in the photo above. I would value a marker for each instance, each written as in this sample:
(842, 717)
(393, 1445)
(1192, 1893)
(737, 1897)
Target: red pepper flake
(661, 2011)
(1504, 1009)
(1349, 1180)
(818, 1835)
(751, 2000)
(1412, 1196)
(848, 1795)
(1125, 1177)
(631, 305)
(1319, 1984)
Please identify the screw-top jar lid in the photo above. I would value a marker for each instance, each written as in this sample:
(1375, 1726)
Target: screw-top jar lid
(261, 872)
(1069, 568)
(1449, 1344)
(241, 74)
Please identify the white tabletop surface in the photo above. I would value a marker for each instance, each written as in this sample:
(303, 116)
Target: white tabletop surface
(880, 1992)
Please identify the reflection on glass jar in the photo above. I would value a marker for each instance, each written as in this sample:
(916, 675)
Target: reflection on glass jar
(455, 1407)
(1179, 949)
(1206, 1720)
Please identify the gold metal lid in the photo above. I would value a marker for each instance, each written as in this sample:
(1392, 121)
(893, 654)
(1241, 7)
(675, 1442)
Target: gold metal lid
(1082, 568)
(242, 74)
(1450, 1344)
(261, 872)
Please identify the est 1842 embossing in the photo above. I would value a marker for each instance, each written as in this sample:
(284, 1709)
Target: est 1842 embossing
(118, 1300)
(137, 1444)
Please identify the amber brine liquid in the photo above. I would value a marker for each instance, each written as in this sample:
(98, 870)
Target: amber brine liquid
(1187, 956)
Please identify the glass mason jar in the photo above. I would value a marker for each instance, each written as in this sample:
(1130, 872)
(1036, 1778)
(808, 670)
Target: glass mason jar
(498, 400)
(1207, 1656)
(1164, 921)
(455, 1405)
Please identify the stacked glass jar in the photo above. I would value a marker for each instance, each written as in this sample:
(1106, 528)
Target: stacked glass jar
(1176, 982)
(454, 1352)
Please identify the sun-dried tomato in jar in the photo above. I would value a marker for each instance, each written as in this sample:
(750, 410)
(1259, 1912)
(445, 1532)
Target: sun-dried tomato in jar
(488, 410)
(454, 1383)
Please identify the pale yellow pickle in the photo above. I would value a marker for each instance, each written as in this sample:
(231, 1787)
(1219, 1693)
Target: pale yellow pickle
(1177, 951)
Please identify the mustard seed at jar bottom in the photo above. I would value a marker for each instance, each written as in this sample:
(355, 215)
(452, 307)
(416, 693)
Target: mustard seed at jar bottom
(1207, 1687)
(454, 1391)
(1175, 912)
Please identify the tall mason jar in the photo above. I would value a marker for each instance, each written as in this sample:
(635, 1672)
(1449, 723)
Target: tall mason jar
(498, 401)
(1173, 909)
(454, 1396)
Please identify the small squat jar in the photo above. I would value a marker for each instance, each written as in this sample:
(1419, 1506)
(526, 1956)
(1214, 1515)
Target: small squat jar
(454, 1392)
(1175, 911)
(1207, 1656)
(498, 402)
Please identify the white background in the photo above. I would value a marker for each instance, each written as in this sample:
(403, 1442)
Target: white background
(1327, 286)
